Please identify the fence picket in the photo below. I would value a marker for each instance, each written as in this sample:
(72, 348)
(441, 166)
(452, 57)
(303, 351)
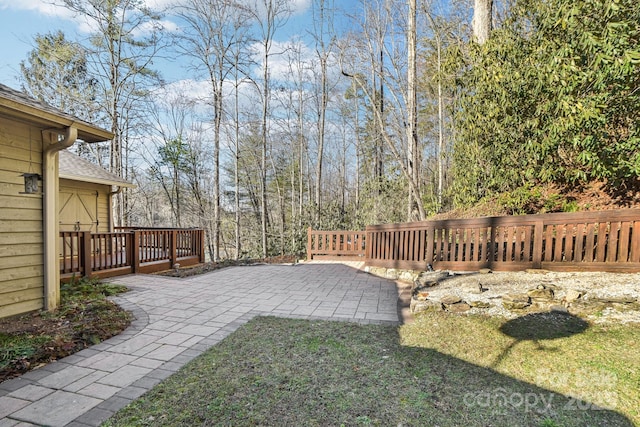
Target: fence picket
(612, 246)
(601, 241)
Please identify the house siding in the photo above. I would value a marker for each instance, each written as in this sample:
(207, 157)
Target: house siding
(21, 237)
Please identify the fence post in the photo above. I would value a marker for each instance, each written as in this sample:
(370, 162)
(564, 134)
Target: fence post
(134, 251)
(85, 250)
(309, 256)
(538, 237)
(367, 245)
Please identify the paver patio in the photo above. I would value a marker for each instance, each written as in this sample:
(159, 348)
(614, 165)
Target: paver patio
(179, 319)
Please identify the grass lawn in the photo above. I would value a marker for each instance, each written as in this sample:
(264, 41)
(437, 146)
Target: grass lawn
(444, 370)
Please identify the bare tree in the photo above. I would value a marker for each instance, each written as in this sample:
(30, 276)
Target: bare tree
(269, 16)
(377, 54)
(121, 59)
(212, 29)
(324, 41)
(413, 157)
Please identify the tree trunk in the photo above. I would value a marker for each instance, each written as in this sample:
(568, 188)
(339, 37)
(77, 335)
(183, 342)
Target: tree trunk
(263, 176)
(413, 165)
(440, 131)
(481, 23)
(236, 171)
(217, 121)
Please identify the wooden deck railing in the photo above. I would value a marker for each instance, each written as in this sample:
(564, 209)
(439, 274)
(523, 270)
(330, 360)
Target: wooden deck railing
(584, 241)
(136, 250)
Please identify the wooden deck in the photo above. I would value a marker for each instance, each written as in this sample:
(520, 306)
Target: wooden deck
(85, 254)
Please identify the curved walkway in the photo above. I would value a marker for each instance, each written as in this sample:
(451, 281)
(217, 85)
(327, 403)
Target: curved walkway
(177, 320)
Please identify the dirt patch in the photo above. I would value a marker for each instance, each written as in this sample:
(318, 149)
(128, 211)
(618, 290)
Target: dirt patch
(548, 198)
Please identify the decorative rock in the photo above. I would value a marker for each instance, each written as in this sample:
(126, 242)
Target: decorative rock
(450, 299)
(617, 300)
(392, 273)
(485, 271)
(558, 309)
(479, 304)
(583, 307)
(459, 307)
(427, 305)
(408, 275)
(516, 301)
(421, 296)
(536, 271)
(573, 295)
(428, 279)
(541, 293)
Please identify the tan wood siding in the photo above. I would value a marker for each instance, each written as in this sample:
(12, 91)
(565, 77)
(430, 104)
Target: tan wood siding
(86, 203)
(21, 239)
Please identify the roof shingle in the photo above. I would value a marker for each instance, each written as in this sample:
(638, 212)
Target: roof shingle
(78, 169)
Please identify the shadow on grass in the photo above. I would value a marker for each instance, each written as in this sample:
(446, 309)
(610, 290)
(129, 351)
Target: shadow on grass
(540, 328)
(286, 372)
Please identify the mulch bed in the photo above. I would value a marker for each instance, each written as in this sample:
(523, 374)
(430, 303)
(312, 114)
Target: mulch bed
(32, 340)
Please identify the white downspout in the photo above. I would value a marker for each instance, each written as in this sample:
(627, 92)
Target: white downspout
(52, 144)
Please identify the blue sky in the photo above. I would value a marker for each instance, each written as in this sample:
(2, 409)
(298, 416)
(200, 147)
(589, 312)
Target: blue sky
(22, 20)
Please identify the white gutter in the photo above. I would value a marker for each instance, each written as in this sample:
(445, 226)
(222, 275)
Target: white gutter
(51, 145)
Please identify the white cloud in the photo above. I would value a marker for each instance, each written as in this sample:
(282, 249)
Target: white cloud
(150, 26)
(300, 6)
(188, 89)
(56, 9)
(52, 9)
(281, 53)
(159, 4)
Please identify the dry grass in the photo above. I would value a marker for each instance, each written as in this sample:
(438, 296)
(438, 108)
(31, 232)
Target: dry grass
(441, 370)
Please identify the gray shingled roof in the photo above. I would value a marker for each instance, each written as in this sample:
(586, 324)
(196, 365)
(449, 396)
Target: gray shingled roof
(23, 98)
(22, 105)
(78, 169)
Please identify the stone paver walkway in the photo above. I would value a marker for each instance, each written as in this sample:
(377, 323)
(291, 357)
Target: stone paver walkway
(177, 320)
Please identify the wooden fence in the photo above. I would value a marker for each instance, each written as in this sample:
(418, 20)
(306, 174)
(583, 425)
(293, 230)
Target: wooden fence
(344, 245)
(87, 254)
(583, 241)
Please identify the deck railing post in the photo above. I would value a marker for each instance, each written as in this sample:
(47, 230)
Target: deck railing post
(201, 247)
(173, 242)
(85, 253)
(134, 251)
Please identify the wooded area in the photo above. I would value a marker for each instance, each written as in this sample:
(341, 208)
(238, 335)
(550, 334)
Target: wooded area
(392, 111)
